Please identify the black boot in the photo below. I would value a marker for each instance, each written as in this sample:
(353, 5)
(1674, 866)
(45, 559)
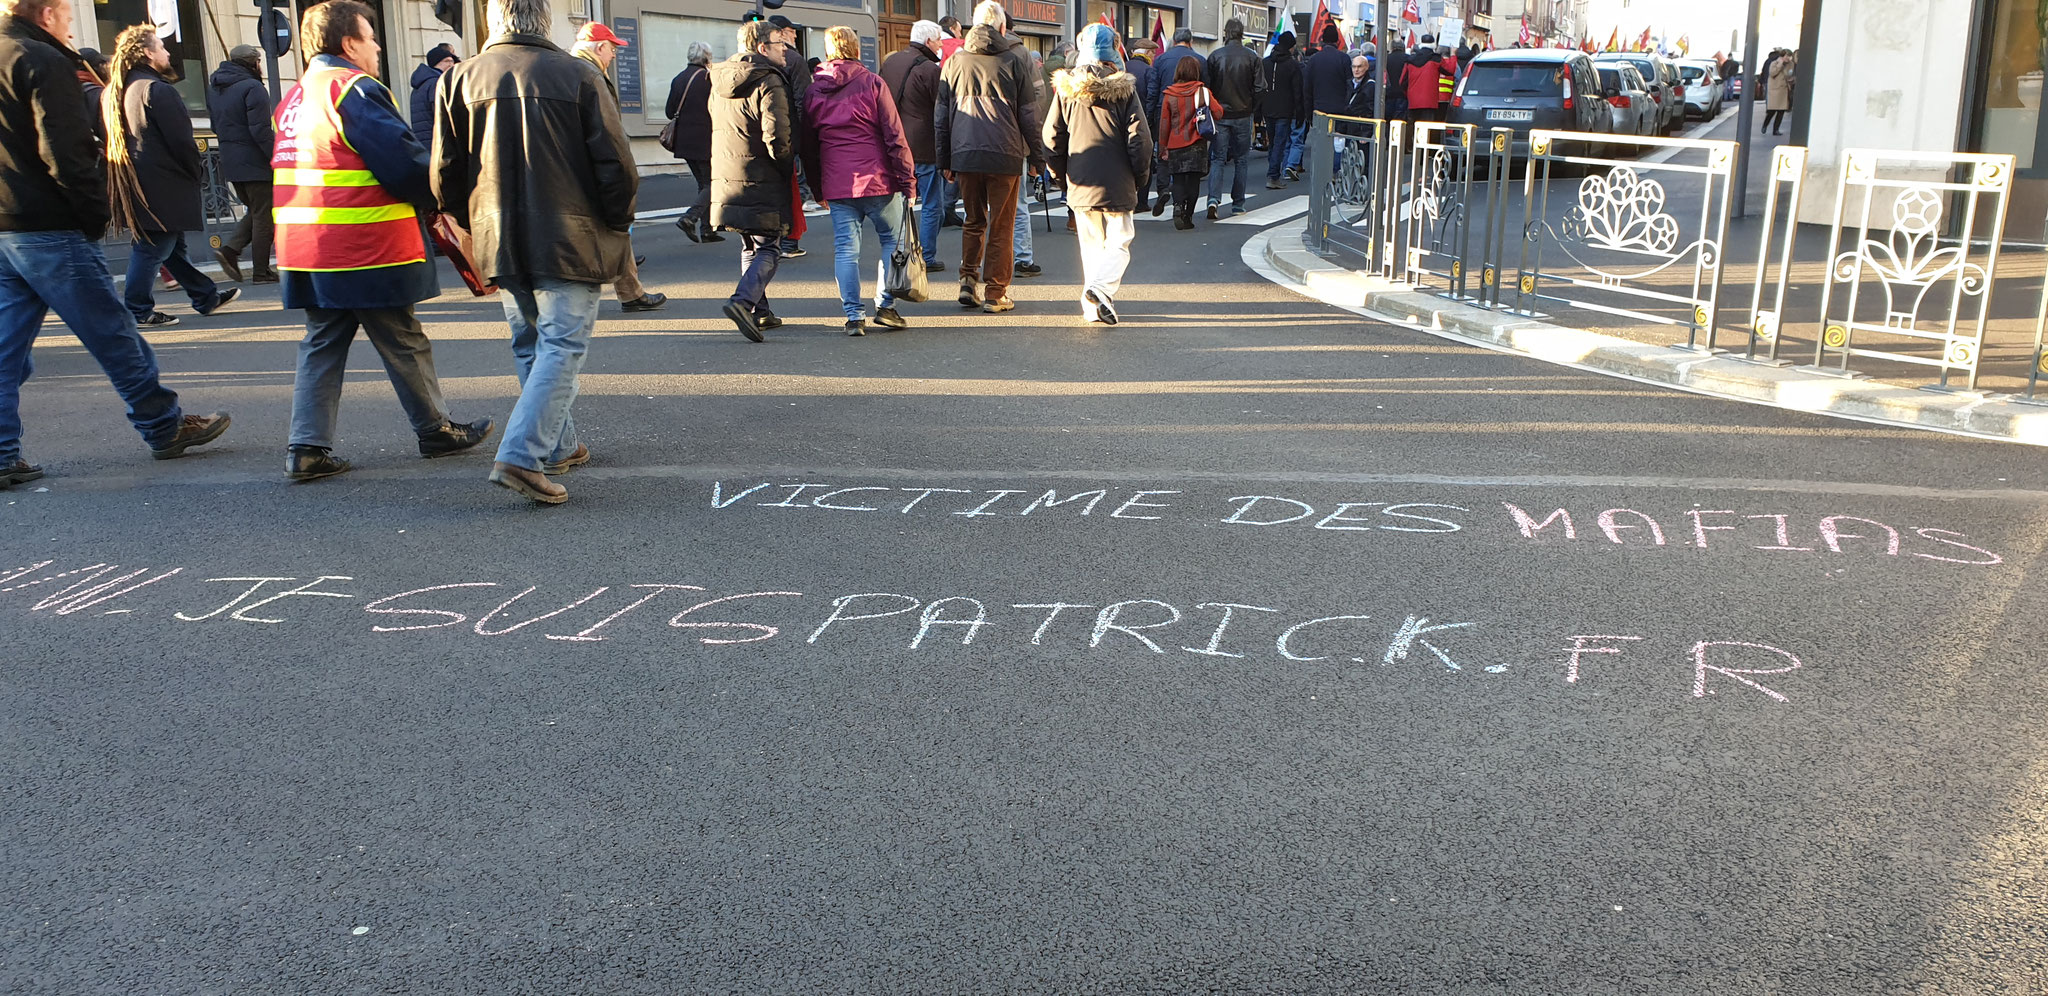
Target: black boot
(454, 437)
(311, 463)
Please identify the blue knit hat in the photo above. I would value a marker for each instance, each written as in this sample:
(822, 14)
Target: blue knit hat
(1096, 43)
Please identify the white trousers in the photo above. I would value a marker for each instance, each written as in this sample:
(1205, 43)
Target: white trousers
(1105, 252)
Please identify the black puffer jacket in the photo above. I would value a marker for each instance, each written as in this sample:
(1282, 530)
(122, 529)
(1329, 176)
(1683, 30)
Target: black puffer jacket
(240, 107)
(562, 212)
(42, 109)
(986, 120)
(1233, 76)
(1282, 99)
(424, 79)
(167, 161)
(1097, 138)
(753, 146)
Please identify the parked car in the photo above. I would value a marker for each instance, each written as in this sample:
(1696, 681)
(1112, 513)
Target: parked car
(1527, 89)
(1665, 87)
(1733, 86)
(1702, 87)
(1628, 98)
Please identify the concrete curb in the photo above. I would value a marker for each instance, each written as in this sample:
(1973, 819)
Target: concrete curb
(1292, 264)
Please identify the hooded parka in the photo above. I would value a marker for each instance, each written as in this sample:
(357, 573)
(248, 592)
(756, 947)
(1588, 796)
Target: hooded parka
(753, 148)
(987, 115)
(1097, 139)
(853, 144)
(240, 107)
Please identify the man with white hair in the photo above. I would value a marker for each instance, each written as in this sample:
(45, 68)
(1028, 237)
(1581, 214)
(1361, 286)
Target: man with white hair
(550, 231)
(597, 45)
(913, 79)
(985, 132)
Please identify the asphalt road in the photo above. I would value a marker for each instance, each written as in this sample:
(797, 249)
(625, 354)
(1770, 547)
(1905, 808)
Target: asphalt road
(1227, 650)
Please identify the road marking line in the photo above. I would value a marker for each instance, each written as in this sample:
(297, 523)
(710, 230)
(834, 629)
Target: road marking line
(1271, 213)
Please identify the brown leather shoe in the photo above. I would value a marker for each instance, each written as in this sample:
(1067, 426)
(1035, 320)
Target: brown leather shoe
(531, 484)
(568, 463)
(193, 430)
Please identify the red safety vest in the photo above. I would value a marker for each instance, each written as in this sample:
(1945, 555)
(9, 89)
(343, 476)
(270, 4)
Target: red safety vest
(331, 213)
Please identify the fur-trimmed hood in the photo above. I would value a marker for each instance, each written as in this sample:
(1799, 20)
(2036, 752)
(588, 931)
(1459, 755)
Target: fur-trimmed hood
(1078, 84)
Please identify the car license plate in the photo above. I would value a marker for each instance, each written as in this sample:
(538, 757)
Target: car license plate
(1510, 115)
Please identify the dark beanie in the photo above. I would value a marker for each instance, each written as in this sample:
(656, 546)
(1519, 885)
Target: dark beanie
(439, 52)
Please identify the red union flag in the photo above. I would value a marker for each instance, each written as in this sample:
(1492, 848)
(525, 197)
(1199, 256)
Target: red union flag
(1412, 13)
(1525, 38)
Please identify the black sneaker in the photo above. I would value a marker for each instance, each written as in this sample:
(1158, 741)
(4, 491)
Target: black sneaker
(1212, 212)
(855, 326)
(765, 320)
(889, 319)
(224, 299)
(193, 430)
(689, 227)
(935, 266)
(1027, 269)
(645, 302)
(454, 437)
(952, 221)
(19, 472)
(745, 320)
(156, 320)
(794, 252)
(1105, 311)
(311, 463)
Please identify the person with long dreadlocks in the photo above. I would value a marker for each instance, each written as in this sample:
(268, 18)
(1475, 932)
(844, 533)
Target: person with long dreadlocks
(53, 211)
(154, 166)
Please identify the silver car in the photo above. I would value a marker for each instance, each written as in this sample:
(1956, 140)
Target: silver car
(1628, 98)
(1664, 87)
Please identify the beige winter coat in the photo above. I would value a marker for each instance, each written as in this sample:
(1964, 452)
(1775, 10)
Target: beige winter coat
(1779, 88)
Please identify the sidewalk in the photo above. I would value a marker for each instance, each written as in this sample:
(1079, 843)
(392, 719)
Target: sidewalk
(1279, 255)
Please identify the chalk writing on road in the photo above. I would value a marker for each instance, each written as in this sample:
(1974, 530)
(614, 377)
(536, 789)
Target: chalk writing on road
(1698, 527)
(1365, 638)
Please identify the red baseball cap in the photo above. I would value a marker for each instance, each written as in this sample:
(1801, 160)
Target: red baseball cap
(597, 31)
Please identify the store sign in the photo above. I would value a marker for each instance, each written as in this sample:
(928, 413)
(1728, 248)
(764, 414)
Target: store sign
(1037, 10)
(626, 64)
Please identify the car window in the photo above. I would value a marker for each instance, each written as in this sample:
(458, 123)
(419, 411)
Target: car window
(1691, 72)
(1514, 79)
(1612, 78)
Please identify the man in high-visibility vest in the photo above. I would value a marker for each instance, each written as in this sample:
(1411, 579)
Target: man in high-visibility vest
(350, 181)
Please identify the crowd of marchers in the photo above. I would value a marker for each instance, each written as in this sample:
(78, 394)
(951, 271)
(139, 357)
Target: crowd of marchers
(352, 199)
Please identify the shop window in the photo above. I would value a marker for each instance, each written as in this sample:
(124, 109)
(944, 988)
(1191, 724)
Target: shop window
(180, 23)
(665, 49)
(2012, 85)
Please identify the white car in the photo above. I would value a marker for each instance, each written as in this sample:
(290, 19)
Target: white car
(1703, 88)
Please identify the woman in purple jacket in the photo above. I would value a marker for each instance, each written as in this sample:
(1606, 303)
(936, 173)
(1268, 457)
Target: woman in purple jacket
(859, 163)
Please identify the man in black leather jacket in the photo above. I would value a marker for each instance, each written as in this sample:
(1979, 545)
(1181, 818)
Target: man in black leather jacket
(1232, 75)
(550, 231)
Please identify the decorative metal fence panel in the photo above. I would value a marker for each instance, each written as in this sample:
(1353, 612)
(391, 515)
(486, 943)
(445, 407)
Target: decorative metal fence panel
(1349, 205)
(1493, 231)
(1438, 198)
(1910, 262)
(1618, 241)
(1767, 317)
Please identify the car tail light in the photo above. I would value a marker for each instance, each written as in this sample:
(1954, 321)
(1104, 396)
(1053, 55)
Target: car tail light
(1567, 93)
(1621, 101)
(1457, 101)
(1678, 91)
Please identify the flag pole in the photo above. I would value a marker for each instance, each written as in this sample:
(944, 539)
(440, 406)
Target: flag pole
(1379, 62)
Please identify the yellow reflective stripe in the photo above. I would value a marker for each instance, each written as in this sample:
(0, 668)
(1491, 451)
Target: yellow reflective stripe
(352, 269)
(324, 178)
(342, 215)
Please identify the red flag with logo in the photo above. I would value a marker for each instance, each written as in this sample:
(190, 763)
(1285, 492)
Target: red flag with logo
(1413, 12)
(1158, 34)
(1315, 25)
(1525, 38)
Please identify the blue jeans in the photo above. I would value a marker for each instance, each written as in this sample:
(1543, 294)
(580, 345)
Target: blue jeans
(551, 324)
(886, 212)
(760, 257)
(932, 191)
(1279, 147)
(41, 271)
(1233, 142)
(1297, 145)
(152, 251)
(1020, 232)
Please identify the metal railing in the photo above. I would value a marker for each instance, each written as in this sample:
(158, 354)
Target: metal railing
(1643, 235)
(1619, 237)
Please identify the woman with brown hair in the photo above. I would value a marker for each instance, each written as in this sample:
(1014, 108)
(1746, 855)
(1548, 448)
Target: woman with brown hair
(153, 173)
(1182, 146)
